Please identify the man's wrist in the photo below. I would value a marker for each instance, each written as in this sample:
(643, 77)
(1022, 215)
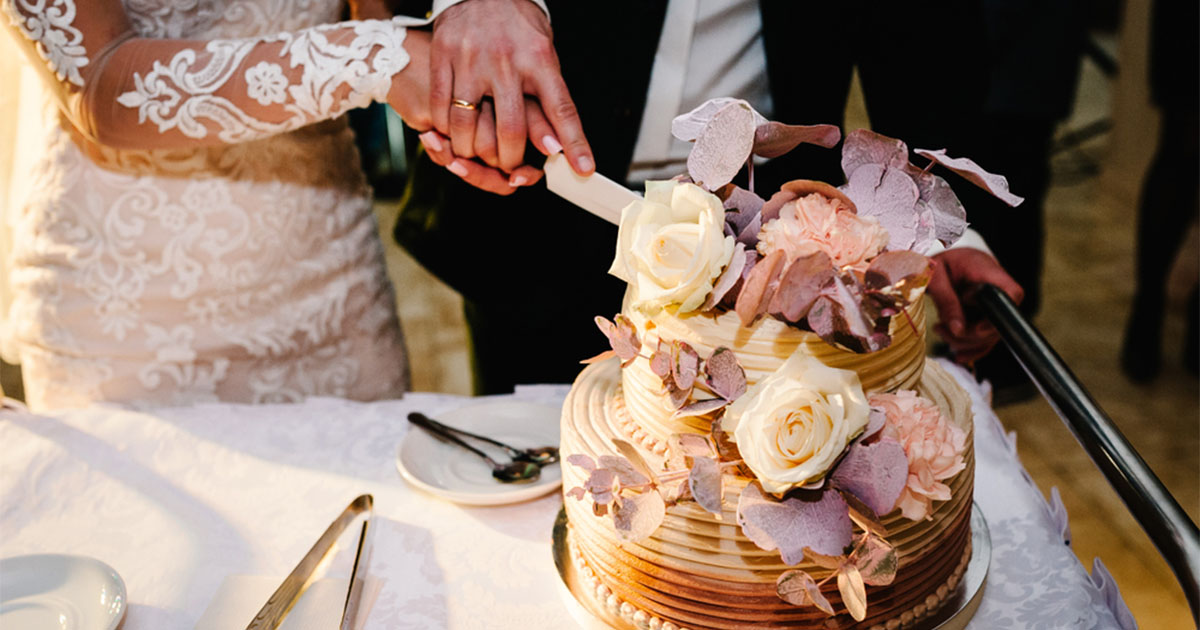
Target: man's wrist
(441, 5)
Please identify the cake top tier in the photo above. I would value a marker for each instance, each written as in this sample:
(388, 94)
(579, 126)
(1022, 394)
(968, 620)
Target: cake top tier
(838, 261)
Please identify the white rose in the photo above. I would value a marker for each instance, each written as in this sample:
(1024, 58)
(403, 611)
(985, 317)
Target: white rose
(791, 427)
(672, 245)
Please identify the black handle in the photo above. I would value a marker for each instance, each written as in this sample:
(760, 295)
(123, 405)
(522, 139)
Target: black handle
(1169, 527)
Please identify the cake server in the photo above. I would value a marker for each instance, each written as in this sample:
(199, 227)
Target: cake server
(284, 597)
(595, 193)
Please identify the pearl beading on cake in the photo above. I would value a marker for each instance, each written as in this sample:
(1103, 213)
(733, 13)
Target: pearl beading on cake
(630, 429)
(645, 621)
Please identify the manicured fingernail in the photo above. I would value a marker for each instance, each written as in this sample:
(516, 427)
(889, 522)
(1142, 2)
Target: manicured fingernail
(551, 144)
(956, 327)
(584, 164)
(458, 168)
(518, 180)
(431, 140)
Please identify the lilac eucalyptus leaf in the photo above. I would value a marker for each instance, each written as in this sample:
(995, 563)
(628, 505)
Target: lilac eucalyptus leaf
(700, 407)
(724, 375)
(818, 521)
(805, 279)
(759, 287)
(774, 139)
(876, 473)
(689, 126)
(704, 481)
(625, 472)
(798, 588)
(995, 184)
(730, 276)
(889, 196)
(723, 146)
(639, 515)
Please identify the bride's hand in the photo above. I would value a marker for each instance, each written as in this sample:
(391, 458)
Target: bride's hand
(488, 176)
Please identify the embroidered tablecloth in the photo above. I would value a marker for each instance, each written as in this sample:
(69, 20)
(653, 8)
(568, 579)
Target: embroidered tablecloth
(178, 499)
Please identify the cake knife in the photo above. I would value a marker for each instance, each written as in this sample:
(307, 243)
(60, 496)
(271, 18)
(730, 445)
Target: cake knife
(595, 193)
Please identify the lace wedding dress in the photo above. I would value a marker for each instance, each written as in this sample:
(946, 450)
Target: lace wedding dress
(200, 228)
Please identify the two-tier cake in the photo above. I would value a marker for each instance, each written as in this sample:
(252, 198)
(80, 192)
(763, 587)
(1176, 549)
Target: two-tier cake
(765, 446)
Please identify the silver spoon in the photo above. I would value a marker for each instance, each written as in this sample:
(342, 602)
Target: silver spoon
(541, 455)
(512, 472)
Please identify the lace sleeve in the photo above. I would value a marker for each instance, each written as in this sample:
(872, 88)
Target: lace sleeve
(131, 92)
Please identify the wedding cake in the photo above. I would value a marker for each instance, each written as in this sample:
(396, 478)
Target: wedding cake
(765, 446)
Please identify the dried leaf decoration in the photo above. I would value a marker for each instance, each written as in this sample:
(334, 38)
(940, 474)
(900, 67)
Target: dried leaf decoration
(890, 196)
(639, 463)
(759, 287)
(626, 474)
(773, 139)
(876, 560)
(798, 588)
(818, 521)
(875, 473)
(700, 407)
(639, 515)
(854, 592)
(689, 126)
(723, 146)
(801, 285)
(704, 480)
(937, 209)
(622, 335)
(995, 184)
(729, 277)
(724, 375)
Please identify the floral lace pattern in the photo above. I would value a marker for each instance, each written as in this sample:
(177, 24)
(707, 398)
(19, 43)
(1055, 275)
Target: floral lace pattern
(249, 272)
(183, 93)
(50, 23)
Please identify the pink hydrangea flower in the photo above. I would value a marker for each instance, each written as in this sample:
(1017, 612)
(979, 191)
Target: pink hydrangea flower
(815, 223)
(934, 447)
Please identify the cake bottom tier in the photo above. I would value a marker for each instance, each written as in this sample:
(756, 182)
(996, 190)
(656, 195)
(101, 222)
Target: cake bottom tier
(700, 573)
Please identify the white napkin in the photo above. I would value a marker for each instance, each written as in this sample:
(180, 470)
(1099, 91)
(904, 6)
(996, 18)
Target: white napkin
(240, 597)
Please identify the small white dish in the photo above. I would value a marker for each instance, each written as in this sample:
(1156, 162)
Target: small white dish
(455, 474)
(60, 592)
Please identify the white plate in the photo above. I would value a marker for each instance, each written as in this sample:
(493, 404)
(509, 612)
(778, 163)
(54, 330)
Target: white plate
(458, 475)
(51, 591)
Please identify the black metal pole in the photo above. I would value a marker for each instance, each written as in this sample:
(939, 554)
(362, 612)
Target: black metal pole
(1169, 527)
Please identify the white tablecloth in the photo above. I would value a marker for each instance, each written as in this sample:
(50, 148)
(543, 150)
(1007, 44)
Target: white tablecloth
(178, 499)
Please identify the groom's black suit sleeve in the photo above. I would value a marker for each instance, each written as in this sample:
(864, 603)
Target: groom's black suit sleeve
(531, 267)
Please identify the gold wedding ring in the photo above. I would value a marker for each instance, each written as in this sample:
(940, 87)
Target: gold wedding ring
(458, 102)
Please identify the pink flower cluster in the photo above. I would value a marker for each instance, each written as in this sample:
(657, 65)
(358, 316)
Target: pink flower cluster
(934, 447)
(816, 223)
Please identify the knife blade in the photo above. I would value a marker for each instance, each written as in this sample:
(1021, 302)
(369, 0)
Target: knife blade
(595, 193)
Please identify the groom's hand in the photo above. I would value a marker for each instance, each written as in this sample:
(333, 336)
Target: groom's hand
(502, 49)
(489, 177)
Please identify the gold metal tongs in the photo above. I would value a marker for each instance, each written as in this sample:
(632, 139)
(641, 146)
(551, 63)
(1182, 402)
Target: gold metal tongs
(293, 586)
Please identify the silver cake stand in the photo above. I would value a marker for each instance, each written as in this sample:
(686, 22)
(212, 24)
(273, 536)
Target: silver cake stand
(953, 615)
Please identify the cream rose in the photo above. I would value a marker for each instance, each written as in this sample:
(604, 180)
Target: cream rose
(672, 245)
(791, 427)
(816, 223)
